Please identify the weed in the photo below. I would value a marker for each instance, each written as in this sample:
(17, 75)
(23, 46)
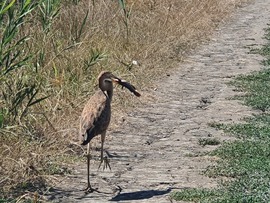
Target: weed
(19, 94)
(208, 141)
(7, 200)
(197, 195)
(126, 16)
(243, 158)
(94, 57)
(49, 10)
(256, 85)
(11, 49)
(78, 29)
(256, 127)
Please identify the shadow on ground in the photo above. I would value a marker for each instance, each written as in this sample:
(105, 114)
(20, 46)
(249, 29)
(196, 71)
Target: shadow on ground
(77, 195)
(146, 194)
(80, 195)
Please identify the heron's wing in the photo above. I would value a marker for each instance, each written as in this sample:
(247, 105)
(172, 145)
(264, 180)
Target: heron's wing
(90, 117)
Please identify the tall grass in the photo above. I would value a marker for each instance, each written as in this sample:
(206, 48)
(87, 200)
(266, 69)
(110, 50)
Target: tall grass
(126, 16)
(18, 94)
(48, 11)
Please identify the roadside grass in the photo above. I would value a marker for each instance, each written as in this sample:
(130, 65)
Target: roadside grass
(51, 53)
(257, 85)
(244, 164)
(208, 141)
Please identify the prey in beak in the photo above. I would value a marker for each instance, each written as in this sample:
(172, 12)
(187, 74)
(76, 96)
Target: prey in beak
(127, 85)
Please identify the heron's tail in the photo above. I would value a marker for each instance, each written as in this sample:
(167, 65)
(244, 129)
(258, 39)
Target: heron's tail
(89, 135)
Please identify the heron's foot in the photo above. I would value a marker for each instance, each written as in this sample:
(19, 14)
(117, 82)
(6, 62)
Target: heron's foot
(106, 162)
(89, 189)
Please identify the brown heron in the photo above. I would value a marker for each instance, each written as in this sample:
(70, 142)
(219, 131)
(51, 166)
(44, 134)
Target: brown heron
(96, 115)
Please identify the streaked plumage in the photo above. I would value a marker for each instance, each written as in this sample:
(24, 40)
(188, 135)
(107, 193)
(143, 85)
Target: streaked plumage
(96, 115)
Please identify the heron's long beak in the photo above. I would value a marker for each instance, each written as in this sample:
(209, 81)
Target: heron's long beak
(116, 80)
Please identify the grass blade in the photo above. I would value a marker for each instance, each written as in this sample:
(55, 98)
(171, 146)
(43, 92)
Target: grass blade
(7, 7)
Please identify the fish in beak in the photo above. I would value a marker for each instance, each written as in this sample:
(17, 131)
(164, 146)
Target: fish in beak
(127, 85)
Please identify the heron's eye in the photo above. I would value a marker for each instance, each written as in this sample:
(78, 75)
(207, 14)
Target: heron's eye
(108, 80)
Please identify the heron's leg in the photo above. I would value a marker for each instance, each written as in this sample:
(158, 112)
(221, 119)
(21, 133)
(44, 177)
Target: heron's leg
(103, 159)
(89, 188)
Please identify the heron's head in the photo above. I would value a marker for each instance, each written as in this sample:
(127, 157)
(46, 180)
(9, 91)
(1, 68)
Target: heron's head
(106, 79)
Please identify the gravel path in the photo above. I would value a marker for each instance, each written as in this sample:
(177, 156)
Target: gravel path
(154, 152)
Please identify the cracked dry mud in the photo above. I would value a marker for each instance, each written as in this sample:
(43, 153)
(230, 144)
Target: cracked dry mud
(154, 151)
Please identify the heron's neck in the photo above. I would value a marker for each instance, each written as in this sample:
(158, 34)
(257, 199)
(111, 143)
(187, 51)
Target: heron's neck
(110, 94)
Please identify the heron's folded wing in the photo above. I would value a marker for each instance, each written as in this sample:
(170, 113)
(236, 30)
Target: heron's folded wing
(90, 116)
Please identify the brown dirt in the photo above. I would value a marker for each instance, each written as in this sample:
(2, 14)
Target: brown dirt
(155, 149)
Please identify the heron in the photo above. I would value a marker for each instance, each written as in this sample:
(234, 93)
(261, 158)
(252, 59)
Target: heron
(96, 116)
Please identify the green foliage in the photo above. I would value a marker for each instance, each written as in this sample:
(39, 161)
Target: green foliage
(265, 50)
(19, 90)
(18, 104)
(256, 127)
(76, 2)
(94, 57)
(2, 116)
(242, 158)
(256, 86)
(78, 28)
(126, 16)
(7, 201)
(5, 6)
(11, 45)
(208, 141)
(197, 195)
(52, 169)
(49, 10)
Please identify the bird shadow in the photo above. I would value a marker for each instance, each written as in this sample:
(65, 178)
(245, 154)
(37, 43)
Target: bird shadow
(139, 195)
(78, 194)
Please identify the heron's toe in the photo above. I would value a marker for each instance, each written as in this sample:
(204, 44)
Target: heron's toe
(106, 163)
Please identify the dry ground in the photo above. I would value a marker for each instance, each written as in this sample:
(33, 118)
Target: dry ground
(154, 150)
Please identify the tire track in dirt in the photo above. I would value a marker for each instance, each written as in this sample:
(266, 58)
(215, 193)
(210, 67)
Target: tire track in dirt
(155, 150)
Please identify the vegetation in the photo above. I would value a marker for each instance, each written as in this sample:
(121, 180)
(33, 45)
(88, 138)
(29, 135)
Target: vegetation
(50, 54)
(208, 141)
(245, 163)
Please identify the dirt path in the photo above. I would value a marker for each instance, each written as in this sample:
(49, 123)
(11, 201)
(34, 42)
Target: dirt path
(155, 150)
